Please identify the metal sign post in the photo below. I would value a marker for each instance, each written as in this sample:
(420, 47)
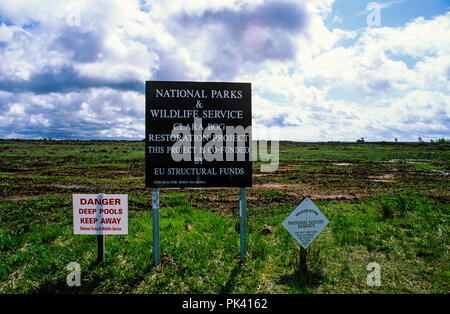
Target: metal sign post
(155, 202)
(302, 267)
(243, 222)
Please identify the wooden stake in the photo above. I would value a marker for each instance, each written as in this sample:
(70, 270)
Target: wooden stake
(100, 247)
(100, 237)
(303, 268)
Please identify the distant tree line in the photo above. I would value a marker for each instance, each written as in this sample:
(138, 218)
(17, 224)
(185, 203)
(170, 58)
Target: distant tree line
(419, 139)
(440, 140)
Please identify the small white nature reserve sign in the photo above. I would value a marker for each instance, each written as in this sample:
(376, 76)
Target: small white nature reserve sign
(305, 222)
(100, 214)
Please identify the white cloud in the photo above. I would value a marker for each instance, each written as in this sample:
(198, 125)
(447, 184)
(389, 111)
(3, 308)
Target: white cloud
(368, 67)
(52, 72)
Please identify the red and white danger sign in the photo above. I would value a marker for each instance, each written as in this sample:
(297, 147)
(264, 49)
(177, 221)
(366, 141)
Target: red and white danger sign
(100, 213)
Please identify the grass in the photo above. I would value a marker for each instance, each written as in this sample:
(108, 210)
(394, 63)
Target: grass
(200, 250)
(402, 225)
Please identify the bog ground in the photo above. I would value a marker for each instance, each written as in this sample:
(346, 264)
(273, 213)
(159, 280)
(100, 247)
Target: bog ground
(386, 202)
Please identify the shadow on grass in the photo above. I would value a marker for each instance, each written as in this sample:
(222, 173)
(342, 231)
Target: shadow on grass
(231, 282)
(59, 285)
(91, 283)
(303, 282)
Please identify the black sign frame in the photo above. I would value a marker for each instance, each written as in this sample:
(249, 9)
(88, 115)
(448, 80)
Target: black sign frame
(177, 103)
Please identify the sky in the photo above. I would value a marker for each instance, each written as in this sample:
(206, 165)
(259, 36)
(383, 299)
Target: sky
(321, 70)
